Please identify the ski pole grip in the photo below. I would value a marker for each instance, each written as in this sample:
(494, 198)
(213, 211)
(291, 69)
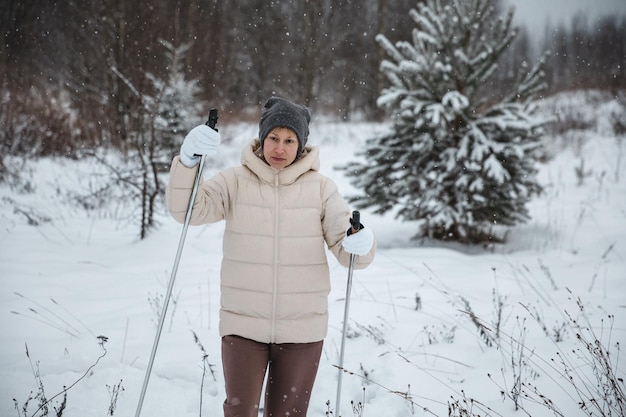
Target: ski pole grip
(355, 221)
(212, 119)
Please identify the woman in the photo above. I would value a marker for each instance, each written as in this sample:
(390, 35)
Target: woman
(280, 214)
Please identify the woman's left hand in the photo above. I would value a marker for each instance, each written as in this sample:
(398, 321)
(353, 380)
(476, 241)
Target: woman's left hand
(359, 243)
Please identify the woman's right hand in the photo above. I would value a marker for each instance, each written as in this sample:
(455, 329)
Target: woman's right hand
(201, 140)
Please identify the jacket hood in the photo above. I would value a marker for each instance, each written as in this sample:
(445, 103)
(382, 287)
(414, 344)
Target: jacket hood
(252, 158)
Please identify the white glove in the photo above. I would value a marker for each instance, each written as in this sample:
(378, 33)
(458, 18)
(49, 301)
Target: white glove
(201, 140)
(359, 243)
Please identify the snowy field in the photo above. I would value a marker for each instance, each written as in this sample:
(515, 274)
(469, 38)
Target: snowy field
(432, 327)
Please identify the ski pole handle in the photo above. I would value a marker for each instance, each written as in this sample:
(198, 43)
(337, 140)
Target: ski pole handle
(211, 122)
(212, 119)
(355, 221)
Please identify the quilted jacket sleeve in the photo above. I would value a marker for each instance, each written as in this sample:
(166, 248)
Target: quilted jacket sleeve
(211, 200)
(335, 223)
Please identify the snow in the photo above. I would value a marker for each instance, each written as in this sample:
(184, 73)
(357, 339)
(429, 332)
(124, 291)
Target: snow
(82, 275)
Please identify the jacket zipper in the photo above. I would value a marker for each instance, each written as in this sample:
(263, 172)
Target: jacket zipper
(276, 258)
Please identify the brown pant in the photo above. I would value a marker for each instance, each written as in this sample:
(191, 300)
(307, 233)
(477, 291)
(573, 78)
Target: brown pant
(292, 371)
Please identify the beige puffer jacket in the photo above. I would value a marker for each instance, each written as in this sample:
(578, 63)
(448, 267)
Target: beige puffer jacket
(275, 278)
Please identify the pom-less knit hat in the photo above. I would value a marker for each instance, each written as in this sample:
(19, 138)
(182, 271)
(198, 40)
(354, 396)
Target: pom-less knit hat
(278, 112)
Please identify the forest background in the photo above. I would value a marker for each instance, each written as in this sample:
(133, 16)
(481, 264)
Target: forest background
(76, 74)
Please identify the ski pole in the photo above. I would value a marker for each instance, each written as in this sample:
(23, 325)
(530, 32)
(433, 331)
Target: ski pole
(356, 225)
(211, 123)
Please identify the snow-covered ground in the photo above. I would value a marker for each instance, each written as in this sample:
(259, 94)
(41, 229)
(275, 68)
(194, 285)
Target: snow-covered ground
(414, 343)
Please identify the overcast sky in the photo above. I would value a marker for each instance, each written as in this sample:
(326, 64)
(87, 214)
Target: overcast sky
(537, 12)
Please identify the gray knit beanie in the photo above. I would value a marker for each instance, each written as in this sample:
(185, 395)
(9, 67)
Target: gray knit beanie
(278, 112)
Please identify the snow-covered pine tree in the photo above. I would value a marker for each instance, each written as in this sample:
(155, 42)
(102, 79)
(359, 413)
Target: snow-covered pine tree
(170, 113)
(159, 120)
(460, 159)
(175, 107)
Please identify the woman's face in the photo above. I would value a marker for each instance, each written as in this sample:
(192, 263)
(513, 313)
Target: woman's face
(280, 147)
